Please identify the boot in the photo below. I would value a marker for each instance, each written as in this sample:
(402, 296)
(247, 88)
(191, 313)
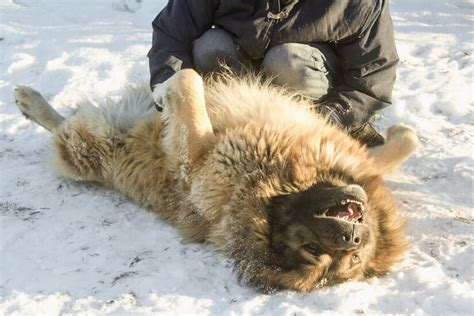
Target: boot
(367, 135)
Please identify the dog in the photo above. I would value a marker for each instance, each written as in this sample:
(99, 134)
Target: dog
(292, 200)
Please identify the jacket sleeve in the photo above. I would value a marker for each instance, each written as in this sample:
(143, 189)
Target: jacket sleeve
(369, 68)
(174, 30)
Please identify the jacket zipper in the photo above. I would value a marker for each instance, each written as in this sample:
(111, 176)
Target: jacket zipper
(274, 14)
(275, 11)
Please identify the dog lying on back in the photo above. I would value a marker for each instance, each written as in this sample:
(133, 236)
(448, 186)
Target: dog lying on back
(292, 200)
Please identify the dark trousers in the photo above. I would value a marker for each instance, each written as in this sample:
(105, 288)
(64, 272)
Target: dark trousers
(310, 69)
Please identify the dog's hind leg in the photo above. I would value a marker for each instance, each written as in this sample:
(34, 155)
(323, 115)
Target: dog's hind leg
(401, 143)
(85, 145)
(34, 107)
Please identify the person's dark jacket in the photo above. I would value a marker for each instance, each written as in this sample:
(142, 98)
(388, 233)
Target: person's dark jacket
(360, 31)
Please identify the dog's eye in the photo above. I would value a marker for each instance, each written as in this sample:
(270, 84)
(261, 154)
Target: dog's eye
(355, 258)
(313, 248)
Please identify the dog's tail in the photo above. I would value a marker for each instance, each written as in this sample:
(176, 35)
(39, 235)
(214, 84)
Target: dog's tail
(135, 104)
(401, 143)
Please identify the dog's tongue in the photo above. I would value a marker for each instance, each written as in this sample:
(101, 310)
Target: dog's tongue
(351, 210)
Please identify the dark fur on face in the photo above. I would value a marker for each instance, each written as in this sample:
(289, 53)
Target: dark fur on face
(327, 225)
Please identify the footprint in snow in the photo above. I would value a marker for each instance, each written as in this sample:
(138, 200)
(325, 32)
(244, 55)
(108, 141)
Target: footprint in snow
(127, 5)
(23, 3)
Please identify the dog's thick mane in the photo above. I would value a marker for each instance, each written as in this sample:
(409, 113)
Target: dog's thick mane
(233, 101)
(237, 101)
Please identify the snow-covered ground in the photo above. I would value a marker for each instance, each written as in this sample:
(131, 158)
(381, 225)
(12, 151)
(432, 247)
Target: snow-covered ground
(72, 248)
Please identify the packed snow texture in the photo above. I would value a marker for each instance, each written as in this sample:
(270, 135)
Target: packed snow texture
(69, 247)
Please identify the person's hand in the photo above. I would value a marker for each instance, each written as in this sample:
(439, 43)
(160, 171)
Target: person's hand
(366, 133)
(159, 94)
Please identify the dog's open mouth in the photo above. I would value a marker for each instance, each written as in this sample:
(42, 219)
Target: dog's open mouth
(347, 204)
(348, 210)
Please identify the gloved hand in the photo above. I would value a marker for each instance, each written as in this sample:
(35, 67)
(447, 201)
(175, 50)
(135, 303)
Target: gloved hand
(159, 94)
(333, 112)
(365, 133)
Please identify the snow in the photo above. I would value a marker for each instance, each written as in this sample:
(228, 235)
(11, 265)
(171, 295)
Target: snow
(72, 248)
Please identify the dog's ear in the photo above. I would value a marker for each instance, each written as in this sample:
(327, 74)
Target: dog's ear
(189, 131)
(400, 144)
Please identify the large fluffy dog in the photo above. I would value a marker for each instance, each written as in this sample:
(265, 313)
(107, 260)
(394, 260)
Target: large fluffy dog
(293, 201)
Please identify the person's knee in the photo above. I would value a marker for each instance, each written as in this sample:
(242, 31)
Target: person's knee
(299, 66)
(212, 49)
(282, 60)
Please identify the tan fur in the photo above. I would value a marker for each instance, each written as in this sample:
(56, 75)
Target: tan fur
(212, 161)
(401, 142)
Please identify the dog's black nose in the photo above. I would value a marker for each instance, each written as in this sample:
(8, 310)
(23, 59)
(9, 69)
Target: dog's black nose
(350, 241)
(352, 238)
